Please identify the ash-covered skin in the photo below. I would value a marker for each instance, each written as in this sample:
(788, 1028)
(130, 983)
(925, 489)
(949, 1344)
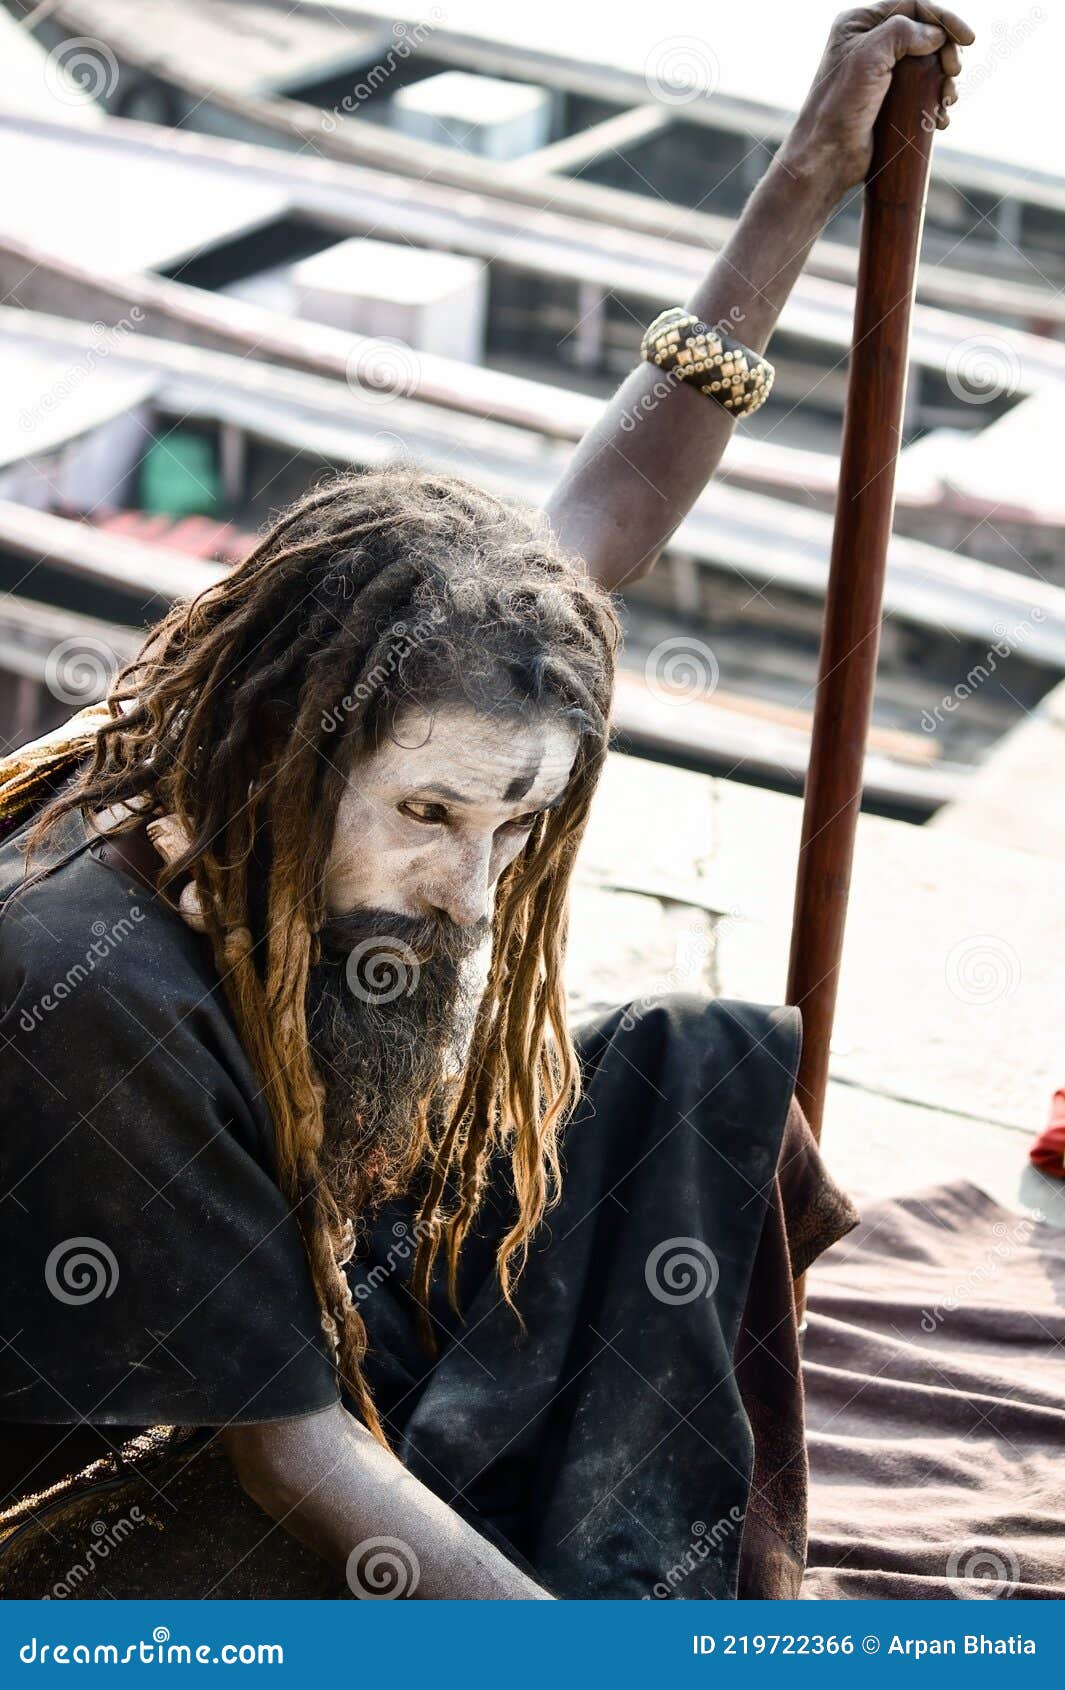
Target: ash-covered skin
(430, 819)
(428, 823)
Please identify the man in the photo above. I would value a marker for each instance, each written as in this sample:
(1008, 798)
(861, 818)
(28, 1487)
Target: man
(471, 1308)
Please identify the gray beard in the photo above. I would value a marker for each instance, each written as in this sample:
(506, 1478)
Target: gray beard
(390, 1009)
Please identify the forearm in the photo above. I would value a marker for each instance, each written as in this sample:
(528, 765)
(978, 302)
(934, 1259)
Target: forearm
(328, 1482)
(636, 475)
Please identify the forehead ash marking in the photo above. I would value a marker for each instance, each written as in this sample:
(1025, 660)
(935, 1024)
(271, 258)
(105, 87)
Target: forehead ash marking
(519, 786)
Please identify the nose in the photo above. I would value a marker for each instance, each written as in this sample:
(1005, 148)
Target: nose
(461, 888)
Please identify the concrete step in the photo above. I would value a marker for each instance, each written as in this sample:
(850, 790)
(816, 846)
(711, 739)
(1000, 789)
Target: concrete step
(948, 1041)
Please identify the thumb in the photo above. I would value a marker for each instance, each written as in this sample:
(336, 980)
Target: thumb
(908, 38)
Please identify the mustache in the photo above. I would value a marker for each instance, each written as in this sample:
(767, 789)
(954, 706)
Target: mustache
(373, 933)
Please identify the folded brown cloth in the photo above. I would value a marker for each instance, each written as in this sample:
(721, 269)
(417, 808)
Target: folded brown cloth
(935, 1384)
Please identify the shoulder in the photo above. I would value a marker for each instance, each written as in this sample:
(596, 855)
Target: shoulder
(139, 1156)
(68, 919)
(103, 985)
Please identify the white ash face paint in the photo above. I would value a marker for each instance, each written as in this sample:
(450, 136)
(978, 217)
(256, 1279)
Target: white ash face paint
(430, 820)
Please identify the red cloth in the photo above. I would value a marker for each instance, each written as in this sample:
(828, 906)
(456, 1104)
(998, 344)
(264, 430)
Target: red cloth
(1048, 1151)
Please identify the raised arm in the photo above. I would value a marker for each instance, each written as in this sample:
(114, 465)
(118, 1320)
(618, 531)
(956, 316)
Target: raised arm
(325, 1479)
(637, 473)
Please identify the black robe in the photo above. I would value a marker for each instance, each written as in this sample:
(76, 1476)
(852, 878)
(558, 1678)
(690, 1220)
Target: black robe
(644, 1439)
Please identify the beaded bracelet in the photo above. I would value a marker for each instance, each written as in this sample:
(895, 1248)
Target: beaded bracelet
(719, 366)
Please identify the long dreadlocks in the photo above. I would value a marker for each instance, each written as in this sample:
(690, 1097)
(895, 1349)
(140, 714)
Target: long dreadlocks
(242, 717)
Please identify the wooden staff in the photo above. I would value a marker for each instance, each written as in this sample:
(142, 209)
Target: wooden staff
(892, 219)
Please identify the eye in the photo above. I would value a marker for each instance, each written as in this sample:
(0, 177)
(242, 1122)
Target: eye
(422, 811)
(522, 824)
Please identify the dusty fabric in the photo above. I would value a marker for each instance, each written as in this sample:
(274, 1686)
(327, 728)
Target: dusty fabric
(806, 1212)
(152, 1268)
(645, 1439)
(935, 1384)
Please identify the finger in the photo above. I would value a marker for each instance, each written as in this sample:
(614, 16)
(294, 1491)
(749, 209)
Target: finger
(925, 11)
(956, 27)
(948, 94)
(950, 59)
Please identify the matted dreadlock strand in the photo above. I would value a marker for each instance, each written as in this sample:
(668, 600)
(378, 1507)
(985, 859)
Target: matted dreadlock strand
(218, 721)
(530, 1073)
(289, 943)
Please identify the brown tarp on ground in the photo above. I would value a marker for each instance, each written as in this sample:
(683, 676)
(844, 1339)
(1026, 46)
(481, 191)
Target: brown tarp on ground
(935, 1400)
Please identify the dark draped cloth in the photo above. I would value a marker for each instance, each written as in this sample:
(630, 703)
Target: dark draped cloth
(643, 1438)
